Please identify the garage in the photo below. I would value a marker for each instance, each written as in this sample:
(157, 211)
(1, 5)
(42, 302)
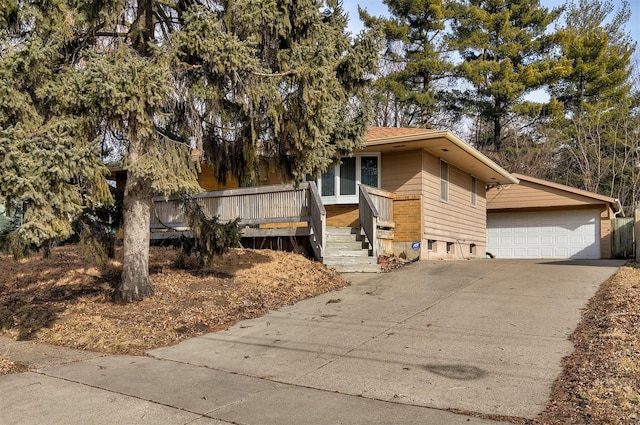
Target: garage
(542, 219)
(547, 234)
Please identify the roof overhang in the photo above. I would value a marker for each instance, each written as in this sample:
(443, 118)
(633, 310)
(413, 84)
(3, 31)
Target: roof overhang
(442, 144)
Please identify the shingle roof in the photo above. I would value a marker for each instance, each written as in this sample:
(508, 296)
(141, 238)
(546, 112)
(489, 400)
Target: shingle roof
(374, 133)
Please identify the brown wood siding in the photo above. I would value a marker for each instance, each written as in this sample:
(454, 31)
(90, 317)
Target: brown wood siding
(208, 181)
(345, 215)
(455, 219)
(407, 218)
(401, 172)
(532, 195)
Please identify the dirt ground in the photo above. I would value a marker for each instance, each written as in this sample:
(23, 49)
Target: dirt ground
(65, 301)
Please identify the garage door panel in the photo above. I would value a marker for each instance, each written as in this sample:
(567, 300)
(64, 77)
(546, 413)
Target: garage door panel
(552, 234)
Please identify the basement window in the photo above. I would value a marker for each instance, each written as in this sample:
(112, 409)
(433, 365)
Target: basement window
(449, 247)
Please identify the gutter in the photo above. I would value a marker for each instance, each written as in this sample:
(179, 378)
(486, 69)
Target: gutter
(620, 210)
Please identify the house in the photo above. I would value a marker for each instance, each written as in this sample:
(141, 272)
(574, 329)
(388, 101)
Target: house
(542, 219)
(409, 192)
(438, 185)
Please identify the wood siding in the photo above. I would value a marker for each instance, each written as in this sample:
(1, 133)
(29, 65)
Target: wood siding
(401, 172)
(456, 220)
(532, 195)
(209, 183)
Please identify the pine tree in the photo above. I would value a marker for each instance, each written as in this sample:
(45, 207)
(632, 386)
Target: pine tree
(244, 79)
(506, 54)
(598, 121)
(415, 48)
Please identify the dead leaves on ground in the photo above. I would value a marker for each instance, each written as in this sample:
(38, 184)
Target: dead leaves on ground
(65, 301)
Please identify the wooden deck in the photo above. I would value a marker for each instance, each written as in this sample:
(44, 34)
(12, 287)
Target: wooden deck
(277, 211)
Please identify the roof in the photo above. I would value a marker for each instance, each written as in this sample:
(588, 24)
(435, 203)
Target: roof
(440, 143)
(374, 133)
(566, 188)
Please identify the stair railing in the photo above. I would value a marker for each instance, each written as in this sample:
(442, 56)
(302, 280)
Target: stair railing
(368, 217)
(318, 221)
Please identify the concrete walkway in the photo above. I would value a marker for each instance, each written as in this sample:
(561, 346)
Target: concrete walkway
(408, 347)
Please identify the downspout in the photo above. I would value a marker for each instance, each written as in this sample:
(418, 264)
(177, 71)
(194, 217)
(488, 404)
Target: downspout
(620, 210)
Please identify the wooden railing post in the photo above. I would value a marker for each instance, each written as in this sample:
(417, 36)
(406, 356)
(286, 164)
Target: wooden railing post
(318, 215)
(376, 212)
(368, 218)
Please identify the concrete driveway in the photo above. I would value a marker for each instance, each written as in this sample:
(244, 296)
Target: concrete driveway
(483, 336)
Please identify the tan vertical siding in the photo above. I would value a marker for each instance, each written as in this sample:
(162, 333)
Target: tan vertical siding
(401, 172)
(455, 220)
(208, 181)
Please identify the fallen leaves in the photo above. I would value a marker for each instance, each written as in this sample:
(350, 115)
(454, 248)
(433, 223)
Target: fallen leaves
(65, 301)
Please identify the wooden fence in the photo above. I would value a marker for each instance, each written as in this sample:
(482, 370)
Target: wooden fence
(622, 237)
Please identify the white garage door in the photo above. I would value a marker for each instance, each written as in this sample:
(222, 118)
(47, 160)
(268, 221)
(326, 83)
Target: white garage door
(554, 234)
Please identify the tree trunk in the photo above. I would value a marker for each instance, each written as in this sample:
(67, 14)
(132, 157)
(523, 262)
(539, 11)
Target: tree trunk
(135, 284)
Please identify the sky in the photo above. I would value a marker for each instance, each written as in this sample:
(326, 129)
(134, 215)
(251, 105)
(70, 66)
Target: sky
(377, 8)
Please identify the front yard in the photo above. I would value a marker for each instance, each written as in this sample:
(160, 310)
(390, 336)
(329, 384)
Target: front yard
(64, 300)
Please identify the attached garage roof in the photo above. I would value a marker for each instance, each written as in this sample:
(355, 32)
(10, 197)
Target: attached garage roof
(440, 143)
(537, 193)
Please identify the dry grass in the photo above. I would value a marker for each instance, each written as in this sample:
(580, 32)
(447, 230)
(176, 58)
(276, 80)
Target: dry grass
(65, 301)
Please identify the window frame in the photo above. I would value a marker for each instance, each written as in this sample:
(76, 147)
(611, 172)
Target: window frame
(474, 191)
(444, 180)
(336, 198)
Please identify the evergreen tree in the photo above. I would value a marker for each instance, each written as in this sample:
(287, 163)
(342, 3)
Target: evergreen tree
(598, 121)
(506, 54)
(414, 87)
(599, 52)
(244, 79)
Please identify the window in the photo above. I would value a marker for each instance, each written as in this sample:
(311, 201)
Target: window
(328, 183)
(339, 185)
(430, 243)
(449, 247)
(348, 176)
(444, 181)
(472, 248)
(474, 191)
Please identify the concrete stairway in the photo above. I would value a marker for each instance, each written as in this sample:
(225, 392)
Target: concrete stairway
(347, 251)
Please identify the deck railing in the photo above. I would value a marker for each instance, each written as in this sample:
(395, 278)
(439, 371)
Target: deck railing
(254, 206)
(375, 213)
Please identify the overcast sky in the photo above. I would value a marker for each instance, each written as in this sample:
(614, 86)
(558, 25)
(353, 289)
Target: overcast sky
(377, 8)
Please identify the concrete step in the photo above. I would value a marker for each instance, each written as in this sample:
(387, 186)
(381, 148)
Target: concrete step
(342, 231)
(332, 252)
(348, 260)
(347, 246)
(356, 268)
(343, 238)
